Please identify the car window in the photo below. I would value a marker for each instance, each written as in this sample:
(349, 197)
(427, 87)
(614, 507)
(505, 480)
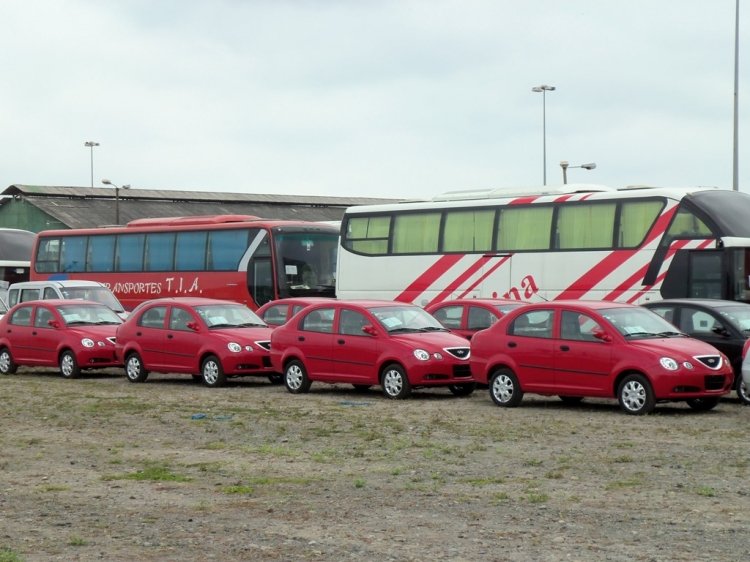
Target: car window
(179, 319)
(21, 317)
(449, 316)
(694, 321)
(351, 322)
(666, 312)
(578, 326)
(30, 295)
(536, 323)
(480, 318)
(42, 318)
(49, 293)
(275, 315)
(153, 317)
(320, 320)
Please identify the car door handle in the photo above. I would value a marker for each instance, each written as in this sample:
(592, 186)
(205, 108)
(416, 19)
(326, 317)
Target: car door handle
(138, 334)
(564, 348)
(33, 333)
(342, 342)
(512, 344)
(301, 338)
(170, 336)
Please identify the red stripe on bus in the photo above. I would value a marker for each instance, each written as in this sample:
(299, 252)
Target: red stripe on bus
(453, 285)
(484, 276)
(523, 200)
(614, 260)
(421, 283)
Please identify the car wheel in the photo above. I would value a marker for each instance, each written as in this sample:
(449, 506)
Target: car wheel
(69, 366)
(276, 379)
(295, 378)
(7, 365)
(636, 396)
(134, 368)
(395, 382)
(505, 389)
(571, 399)
(462, 389)
(212, 372)
(743, 392)
(703, 404)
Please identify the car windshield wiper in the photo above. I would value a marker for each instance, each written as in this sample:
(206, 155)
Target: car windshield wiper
(106, 322)
(634, 334)
(670, 334)
(222, 325)
(402, 330)
(77, 322)
(433, 329)
(251, 325)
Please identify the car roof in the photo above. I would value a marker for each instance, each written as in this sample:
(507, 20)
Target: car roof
(590, 304)
(189, 301)
(296, 300)
(710, 303)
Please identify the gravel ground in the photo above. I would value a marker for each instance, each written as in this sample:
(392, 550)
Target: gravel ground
(102, 469)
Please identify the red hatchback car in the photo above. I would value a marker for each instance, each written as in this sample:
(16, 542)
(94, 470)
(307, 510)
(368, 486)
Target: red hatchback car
(398, 346)
(276, 313)
(74, 335)
(207, 338)
(466, 317)
(600, 349)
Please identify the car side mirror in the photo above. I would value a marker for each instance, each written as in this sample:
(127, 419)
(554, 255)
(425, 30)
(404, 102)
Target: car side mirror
(193, 326)
(720, 331)
(370, 330)
(53, 323)
(601, 335)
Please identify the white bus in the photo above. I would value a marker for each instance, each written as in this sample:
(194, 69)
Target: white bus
(575, 241)
(15, 257)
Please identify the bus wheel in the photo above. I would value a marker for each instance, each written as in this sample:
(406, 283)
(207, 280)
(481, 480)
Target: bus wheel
(462, 389)
(69, 366)
(635, 395)
(395, 382)
(134, 368)
(743, 392)
(505, 389)
(7, 366)
(212, 372)
(295, 378)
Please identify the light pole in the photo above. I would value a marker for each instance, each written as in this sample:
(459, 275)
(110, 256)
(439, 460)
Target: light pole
(564, 165)
(544, 88)
(117, 197)
(735, 140)
(91, 145)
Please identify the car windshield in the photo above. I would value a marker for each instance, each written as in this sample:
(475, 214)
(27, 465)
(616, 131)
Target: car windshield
(406, 319)
(738, 315)
(228, 316)
(96, 294)
(636, 322)
(92, 314)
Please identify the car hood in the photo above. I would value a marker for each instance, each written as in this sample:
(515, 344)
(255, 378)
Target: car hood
(689, 347)
(251, 334)
(437, 340)
(95, 332)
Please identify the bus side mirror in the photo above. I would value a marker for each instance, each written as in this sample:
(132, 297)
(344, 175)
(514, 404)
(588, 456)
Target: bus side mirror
(193, 326)
(601, 335)
(370, 330)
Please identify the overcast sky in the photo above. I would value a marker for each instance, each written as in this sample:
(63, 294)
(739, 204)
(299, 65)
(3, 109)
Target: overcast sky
(389, 98)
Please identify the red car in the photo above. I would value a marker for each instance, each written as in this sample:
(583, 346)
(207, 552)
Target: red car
(276, 313)
(74, 335)
(207, 338)
(466, 317)
(398, 346)
(600, 349)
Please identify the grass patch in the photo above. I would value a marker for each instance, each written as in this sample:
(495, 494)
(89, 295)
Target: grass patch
(77, 541)
(487, 481)
(53, 488)
(537, 497)
(9, 555)
(152, 472)
(359, 483)
(706, 491)
(242, 490)
(627, 483)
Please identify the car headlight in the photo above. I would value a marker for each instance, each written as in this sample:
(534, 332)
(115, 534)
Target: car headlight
(421, 354)
(669, 364)
(87, 342)
(234, 347)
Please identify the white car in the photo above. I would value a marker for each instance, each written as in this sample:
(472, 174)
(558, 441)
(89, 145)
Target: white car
(3, 308)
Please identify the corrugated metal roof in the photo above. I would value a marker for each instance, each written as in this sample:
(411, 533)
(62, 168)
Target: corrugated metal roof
(173, 195)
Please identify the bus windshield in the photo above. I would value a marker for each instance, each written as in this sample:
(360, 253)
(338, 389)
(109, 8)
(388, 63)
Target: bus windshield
(307, 263)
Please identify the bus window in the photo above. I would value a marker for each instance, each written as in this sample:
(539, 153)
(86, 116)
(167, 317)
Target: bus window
(636, 219)
(368, 235)
(101, 253)
(48, 256)
(468, 231)
(416, 233)
(225, 249)
(73, 254)
(190, 251)
(686, 225)
(129, 253)
(585, 226)
(524, 228)
(159, 253)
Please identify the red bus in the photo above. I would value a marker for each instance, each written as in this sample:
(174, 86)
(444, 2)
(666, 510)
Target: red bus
(235, 257)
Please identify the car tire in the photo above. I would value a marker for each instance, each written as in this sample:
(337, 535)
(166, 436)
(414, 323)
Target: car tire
(462, 389)
(212, 372)
(743, 392)
(276, 379)
(134, 369)
(395, 383)
(505, 390)
(295, 378)
(7, 365)
(703, 404)
(635, 395)
(69, 368)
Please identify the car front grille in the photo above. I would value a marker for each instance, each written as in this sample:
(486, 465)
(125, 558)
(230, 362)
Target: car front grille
(714, 382)
(265, 344)
(713, 362)
(458, 352)
(461, 371)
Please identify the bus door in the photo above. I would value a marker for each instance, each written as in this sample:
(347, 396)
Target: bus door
(260, 278)
(696, 274)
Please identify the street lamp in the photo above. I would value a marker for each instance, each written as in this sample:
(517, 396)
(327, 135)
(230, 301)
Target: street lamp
(117, 197)
(544, 88)
(564, 165)
(91, 145)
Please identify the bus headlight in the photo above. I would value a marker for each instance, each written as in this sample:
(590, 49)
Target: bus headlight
(669, 364)
(87, 342)
(234, 347)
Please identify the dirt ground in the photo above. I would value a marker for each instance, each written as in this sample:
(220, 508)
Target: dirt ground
(101, 469)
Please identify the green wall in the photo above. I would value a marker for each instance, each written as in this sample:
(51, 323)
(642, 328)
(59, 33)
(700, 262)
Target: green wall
(17, 213)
